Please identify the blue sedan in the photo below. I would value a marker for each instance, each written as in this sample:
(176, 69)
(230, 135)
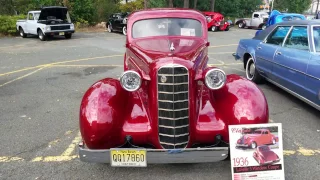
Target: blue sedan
(286, 54)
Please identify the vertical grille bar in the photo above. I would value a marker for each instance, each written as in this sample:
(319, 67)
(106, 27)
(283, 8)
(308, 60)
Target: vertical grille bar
(173, 106)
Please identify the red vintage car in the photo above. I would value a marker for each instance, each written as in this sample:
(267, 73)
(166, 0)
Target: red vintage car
(168, 106)
(257, 138)
(216, 21)
(264, 155)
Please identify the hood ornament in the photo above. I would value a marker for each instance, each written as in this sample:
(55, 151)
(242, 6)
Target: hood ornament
(172, 47)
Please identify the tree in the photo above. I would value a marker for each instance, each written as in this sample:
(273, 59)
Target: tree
(292, 6)
(186, 3)
(171, 3)
(145, 4)
(195, 4)
(212, 5)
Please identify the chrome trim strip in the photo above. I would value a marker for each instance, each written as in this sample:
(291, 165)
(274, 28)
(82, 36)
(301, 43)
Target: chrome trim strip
(296, 95)
(174, 75)
(176, 127)
(173, 101)
(173, 109)
(170, 144)
(163, 92)
(172, 84)
(173, 118)
(168, 135)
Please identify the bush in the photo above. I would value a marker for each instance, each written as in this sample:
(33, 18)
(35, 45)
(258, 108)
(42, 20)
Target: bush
(8, 24)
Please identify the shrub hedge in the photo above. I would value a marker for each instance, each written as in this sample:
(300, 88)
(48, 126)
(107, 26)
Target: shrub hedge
(8, 24)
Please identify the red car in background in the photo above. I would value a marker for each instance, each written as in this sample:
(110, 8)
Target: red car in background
(257, 138)
(216, 21)
(264, 155)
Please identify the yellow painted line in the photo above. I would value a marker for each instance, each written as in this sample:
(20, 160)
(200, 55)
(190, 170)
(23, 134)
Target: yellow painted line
(225, 45)
(307, 152)
(57, 63)
(4, 159)
(21, 77)
(54, 158)
(288, 152)
(72, 146)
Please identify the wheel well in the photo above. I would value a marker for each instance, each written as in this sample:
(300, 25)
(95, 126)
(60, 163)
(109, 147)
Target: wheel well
(260, 26)
(245, 59)
(38, 29)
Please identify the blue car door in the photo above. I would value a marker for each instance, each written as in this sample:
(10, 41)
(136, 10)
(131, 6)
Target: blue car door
(313, 70)
(265, 50)
(291, 61)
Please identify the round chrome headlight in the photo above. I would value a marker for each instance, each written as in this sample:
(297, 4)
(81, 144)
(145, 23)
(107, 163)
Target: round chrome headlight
(130, 81)
(215, 79)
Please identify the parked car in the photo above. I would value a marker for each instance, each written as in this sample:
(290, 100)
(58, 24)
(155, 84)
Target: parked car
(257, 138)
(277, 17)
(216, 21)
(257, 20)
(264, 155)
(169, 106)
(287, 55)
(50, 21)
(118, 22)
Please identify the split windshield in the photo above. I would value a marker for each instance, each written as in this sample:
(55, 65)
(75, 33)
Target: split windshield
(166, 27)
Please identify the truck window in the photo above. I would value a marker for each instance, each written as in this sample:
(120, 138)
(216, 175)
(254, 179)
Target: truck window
(36, 16)
(31, 16)
(256, 15)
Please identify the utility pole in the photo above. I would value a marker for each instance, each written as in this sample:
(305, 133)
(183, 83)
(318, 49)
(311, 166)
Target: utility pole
(317, 7)
(145, 4)
(272, 5)
(195, 4)
(171, 3)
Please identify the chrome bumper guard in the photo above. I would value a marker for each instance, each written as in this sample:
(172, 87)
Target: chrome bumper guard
(162, 156)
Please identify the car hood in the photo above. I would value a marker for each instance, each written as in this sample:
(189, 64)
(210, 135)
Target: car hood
(56, 12)
(269, 156)
(184, 48)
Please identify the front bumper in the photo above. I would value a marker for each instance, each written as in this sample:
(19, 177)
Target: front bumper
(162, 156)
(58, 32)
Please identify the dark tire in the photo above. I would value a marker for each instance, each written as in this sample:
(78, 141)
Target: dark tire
(228, 28)
(109, 27)
(241, 24)
(42, 36)
(68, 36)
(124, 30)
(214, 28)
(253, 145)
(263, 27)
(21, 32)
(252, 73)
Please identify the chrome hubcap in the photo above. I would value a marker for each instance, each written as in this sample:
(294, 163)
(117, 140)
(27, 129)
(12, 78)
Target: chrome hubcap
(252, 69)
(240, 25)
(124, 30)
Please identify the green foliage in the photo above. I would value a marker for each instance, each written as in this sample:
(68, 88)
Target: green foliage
(8, 24)
(132, 6)
(292, 6)
(158, 3)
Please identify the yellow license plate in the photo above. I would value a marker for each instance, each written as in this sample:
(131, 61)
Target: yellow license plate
(128, 157)
(61, 34)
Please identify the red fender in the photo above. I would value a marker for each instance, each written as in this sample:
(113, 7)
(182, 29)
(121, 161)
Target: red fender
(100, 116)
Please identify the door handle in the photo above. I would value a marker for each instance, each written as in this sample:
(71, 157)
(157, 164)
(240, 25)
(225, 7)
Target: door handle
(259, 47)
(279, 53)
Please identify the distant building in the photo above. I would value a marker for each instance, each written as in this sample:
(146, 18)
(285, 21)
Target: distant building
(124, 1)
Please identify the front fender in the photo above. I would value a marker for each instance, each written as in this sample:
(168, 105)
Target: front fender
(240, 101)
(101, 114)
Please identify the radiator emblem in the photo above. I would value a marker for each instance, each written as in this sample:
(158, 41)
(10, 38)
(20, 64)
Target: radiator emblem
(163, 79)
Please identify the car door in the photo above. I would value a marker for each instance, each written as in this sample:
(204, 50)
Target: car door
(265, 50)
(312, 84)
(111, 20)
(255, 21)
(117, 22)
(30, 24)
(291, 60)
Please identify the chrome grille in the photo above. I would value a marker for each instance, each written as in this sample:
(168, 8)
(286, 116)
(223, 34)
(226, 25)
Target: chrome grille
(173, 106)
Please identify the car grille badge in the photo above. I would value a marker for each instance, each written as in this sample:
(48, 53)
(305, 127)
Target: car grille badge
(172, 47)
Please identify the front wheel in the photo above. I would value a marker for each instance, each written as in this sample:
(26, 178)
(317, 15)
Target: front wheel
(68, 36)
(241, 25)
(214, 28)
(253, 145)
(252, 73)
(42, 36)
(124, 30)
(263, 27)
(228, 28)
(21, 32)
(109, 28)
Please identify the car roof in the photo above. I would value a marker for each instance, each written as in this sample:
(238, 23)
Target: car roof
(153, 11)
(300, 22)
(34, 11)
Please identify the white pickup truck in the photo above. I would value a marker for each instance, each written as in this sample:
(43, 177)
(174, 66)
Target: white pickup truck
(257, 20)
(50, 21)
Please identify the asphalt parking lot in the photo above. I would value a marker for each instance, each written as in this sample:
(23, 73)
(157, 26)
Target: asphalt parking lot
(41, 86)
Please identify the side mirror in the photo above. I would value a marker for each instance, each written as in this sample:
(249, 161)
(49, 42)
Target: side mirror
(208, 44)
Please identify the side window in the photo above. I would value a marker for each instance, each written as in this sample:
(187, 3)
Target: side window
(298, 38)
(316, 37)
(255, 15)
(31, 16)
(278, 35)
